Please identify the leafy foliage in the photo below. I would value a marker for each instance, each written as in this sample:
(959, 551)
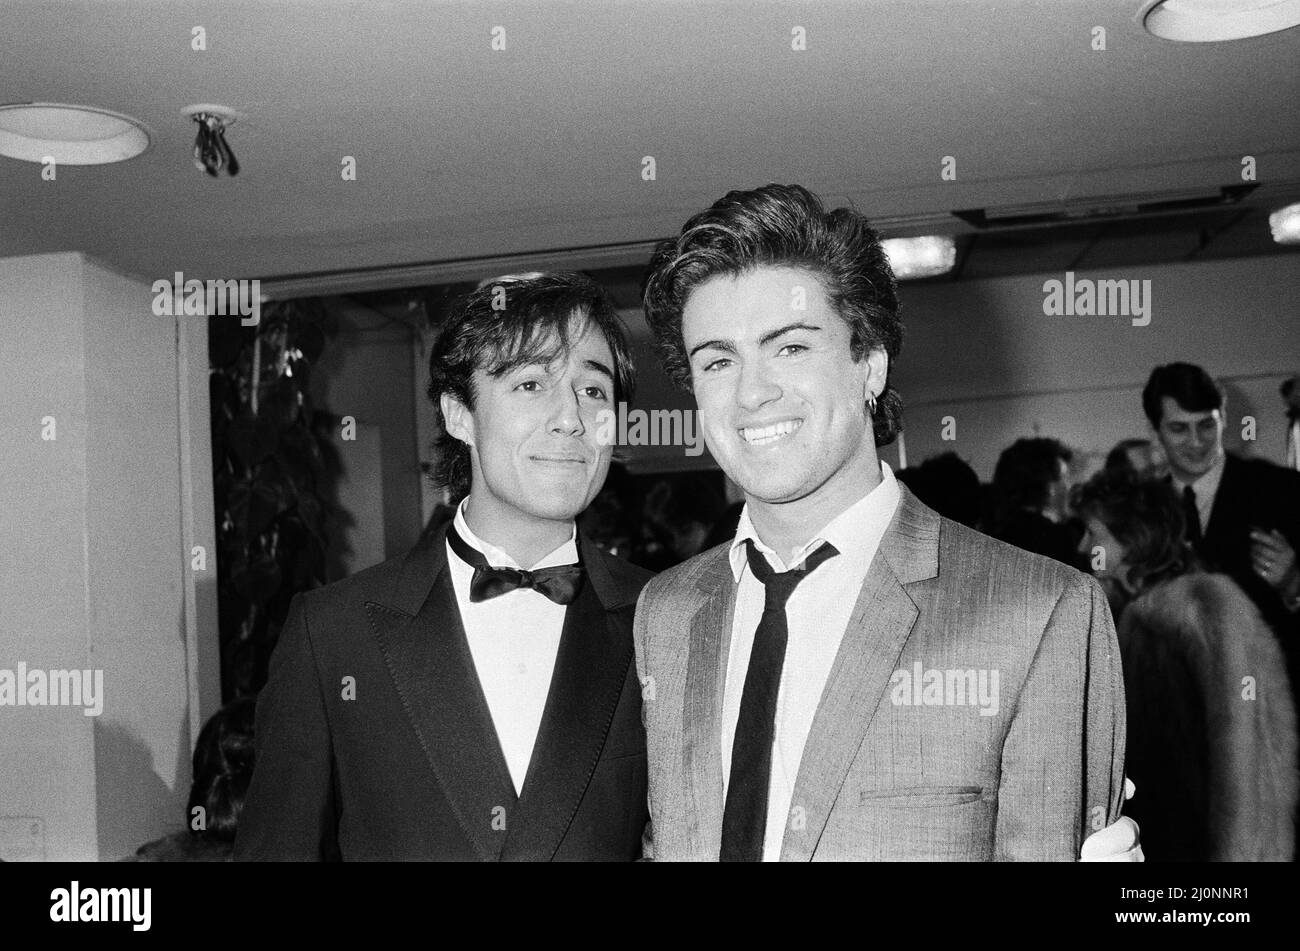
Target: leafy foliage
(273, 469)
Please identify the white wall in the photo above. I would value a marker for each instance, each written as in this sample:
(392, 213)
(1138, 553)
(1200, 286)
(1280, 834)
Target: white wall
(96, 529)
(358, 541)
(366, 373)
(984, 353)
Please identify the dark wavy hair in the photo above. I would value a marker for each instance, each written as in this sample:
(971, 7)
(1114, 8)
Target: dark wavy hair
(534, 326)
(1145, 517)
(774, 226)
(1024, 473)
(223, 768)
(1189, 385)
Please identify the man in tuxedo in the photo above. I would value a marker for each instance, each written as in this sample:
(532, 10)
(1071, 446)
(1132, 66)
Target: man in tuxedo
(475, 699)
(852, 676)
(1243, 515)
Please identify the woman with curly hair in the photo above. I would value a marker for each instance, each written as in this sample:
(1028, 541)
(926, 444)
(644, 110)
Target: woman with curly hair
(1211, 722)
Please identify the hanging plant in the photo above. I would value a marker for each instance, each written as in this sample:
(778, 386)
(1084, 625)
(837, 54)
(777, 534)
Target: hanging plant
(273, 466)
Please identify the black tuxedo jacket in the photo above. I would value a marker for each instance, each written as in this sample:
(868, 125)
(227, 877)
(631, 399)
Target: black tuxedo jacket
(1253, 493)
(374, 740)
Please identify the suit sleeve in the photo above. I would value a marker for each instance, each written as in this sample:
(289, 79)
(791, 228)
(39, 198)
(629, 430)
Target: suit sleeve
(1063, 758)
(289, 812)
(640, 630)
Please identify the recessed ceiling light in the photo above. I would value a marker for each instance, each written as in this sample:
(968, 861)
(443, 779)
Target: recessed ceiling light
(926, 256)
(1211, 21)
(1285, 224)
(71, 135)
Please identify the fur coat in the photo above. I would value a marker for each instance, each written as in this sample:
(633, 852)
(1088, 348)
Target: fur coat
(1211, 725)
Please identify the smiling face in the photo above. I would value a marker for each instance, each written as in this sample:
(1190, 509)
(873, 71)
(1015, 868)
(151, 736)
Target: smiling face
(1193, 442)
(781, 400)
(534, 454)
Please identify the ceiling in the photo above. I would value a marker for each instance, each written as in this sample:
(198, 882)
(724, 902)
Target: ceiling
(467, 158)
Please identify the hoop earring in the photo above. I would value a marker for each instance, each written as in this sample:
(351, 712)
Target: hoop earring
(871, 405)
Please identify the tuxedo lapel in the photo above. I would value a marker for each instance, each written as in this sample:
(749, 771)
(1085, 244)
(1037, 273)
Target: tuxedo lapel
(429, 661)
(882, 619)
(590, 669)
(710, 641)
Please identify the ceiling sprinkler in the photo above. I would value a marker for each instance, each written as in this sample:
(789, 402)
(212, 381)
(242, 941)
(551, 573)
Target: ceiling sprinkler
(211, 151)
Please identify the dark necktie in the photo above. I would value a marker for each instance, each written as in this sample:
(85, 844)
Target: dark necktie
(1192, 516)
(560, 583)
(744, 818)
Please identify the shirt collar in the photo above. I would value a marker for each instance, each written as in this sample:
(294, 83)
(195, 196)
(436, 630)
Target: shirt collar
(855, 532)
(1205, 486)
(566, 554)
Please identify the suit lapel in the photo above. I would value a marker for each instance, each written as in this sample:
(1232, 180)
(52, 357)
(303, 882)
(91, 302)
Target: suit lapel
(590, 669)
(424, 646)
(706, 672)
(882, 618)
(1221, 514)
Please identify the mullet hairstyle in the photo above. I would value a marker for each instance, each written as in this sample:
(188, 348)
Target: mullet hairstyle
(781, 226)
(542, 316)
(1187, 384)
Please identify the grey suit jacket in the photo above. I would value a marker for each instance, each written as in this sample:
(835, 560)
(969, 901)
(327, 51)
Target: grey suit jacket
(890, 772)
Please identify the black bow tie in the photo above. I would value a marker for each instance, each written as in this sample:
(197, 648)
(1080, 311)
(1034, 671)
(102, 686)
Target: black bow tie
(560, 583)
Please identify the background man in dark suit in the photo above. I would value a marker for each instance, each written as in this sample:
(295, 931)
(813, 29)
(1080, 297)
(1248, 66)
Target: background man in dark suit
(475, 699)
(1243, 515)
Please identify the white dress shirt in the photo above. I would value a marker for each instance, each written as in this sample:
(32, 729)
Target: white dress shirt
(513, 639)
(1206, 488)
(816, 616)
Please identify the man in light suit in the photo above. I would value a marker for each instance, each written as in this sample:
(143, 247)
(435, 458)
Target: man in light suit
(475, 699)
(853, 676)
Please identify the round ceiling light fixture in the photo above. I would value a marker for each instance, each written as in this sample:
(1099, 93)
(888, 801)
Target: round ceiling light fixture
(1213, 21)
(68, 134)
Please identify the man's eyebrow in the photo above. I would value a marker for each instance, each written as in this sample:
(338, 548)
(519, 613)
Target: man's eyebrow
(772, 335)
(726, 346)
(599, 368)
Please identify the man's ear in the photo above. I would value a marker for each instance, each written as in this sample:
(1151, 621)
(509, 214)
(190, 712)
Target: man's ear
(459, 420)
(877, 365)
